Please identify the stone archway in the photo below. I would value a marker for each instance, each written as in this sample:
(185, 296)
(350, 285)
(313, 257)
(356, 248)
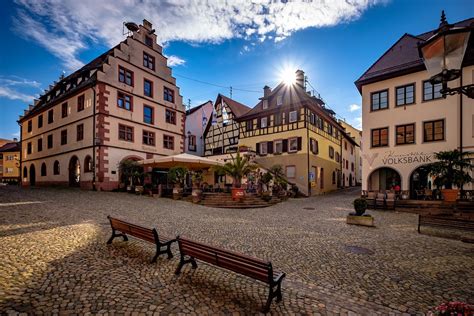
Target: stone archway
(384, 178)
(32, 175)
(74, 172)
(420, 180)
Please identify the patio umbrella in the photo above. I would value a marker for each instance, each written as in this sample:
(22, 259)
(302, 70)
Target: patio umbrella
(183, 160)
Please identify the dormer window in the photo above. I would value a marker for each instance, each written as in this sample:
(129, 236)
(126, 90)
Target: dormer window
(148, 41)
(279, 100)
(265, 104)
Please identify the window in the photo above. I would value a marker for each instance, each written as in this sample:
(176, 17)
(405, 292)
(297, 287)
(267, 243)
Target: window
(338, 157)
(168, 142)
(170, 116)
(168, 95)
(50, 141)
(80, 103)
(88, 164)
(431, 92)
(64, 110)
(345, 145)
(330, 129)
(277, 119)
(312, 118)
(80, 132)
(293, 116)
(380, 137)
(334, 177)
(249, 125)
(9, 170)
(279, 100)
(314, 146)
(125, 76)
(148, 41)
(124, 101)
(331, 152)
(147, 114)
(278, 146)
(126, 133)
(292, 145)
(433, 131)
(319, 123)
(352, 166)
(64, 137)
(50, 116)
(192, 142)
(347, 164)
(40, 144)
(148, 88)
(405, 134)
(265, 104)
(352, 150)
(40, 121)
(379, 100)
(291, 172)
(263, 148)
(25, 172)
(148, 61)
(263, 122)
(148, 138)
(56, 170)
(405, 95)
(28, 148)
(30, 126)
(43, 170)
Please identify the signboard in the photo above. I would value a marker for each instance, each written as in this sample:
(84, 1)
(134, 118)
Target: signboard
(311, 176)
(391, 158)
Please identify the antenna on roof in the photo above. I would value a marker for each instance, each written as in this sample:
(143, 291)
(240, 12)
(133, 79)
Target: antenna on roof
(131, 27)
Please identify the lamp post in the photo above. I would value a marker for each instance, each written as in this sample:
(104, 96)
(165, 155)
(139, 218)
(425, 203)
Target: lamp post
(443, 54)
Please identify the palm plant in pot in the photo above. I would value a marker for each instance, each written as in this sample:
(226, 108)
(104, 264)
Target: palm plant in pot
(451, 169)
(197, 192)
(131, 174)
(177, 175)
(237, 169)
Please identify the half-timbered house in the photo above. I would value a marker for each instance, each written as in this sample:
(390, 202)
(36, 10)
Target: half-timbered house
(291, 128)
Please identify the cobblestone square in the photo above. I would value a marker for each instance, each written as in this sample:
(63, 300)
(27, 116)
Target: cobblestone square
(55, 259)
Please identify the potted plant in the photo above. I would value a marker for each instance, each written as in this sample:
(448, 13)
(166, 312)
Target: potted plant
(197, 192)
(358, 217)
(451, 169)
(280, 183)
(238, 168)
(177, 175)
(267, 193)
(131, 174)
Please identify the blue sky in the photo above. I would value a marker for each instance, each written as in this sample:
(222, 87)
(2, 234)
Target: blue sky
(241, 44)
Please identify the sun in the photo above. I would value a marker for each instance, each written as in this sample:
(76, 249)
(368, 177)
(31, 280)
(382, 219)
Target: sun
(288, 76)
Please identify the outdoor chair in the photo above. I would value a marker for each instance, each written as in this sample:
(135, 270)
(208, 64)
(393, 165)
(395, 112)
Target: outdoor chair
(371, 199)
(390, 201)
(420, 194)
(380, 200)
(428, 194)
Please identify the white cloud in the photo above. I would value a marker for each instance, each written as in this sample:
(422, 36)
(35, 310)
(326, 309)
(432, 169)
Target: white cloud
(354, 107)
(11, 94)
(175, 61)
(67, 27)
(356, 122)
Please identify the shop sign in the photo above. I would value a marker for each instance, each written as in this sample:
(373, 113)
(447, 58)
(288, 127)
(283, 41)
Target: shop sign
(391, 158)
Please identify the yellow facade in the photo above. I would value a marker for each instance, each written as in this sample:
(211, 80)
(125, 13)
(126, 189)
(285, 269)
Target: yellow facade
(10, 166)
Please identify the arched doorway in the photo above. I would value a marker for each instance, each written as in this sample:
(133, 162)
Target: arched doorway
(350, 180)
(32, 175)
(74, 172)
(384, 178)
(420, 180)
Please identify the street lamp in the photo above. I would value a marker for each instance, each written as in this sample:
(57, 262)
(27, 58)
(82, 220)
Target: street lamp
(443, 54)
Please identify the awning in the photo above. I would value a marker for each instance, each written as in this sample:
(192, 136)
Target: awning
(182, 160)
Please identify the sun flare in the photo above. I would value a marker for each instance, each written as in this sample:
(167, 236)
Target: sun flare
(288, 76)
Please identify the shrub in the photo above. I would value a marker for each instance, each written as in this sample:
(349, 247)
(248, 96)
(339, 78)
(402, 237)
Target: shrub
(360, 205)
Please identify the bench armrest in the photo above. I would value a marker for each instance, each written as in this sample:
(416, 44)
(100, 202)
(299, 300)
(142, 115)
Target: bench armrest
(277, 279)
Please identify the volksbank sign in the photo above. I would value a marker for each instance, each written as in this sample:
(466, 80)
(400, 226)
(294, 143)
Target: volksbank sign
(391, 158)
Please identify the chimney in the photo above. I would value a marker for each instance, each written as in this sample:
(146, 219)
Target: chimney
(15, 140)
(300, 78)
(266, 91)
(147, 25)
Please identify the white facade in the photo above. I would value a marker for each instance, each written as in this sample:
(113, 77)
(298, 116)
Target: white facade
(196, 122)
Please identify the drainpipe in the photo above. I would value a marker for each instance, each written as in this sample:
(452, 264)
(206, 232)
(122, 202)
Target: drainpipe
(460, 125)
(93, 140)
(307, 148)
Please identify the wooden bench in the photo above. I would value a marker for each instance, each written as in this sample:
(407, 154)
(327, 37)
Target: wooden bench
(239, 263)
(445, 222)
(146, 234)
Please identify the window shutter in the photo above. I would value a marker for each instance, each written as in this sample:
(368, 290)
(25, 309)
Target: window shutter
(300, 140)
(258, 148)
(268, 121)
(284, 146)
(270, 147)
(317, 147)
(258, 122)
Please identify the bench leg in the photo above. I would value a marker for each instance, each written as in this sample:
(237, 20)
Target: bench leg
(159, 251)
(272, 294)
(182, 262)
(168, 251)
(114, 234)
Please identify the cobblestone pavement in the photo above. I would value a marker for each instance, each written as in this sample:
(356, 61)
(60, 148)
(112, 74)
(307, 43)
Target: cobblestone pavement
(54, 258)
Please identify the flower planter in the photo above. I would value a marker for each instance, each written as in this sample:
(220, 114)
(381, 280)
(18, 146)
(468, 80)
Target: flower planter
(450, 195)
(238, 194)
(177, 193)
(365, 220)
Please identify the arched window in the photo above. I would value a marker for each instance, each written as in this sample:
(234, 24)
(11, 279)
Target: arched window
(56, 170)
(25, 172)
(334, 177)
(88, 164)
(43, 170)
